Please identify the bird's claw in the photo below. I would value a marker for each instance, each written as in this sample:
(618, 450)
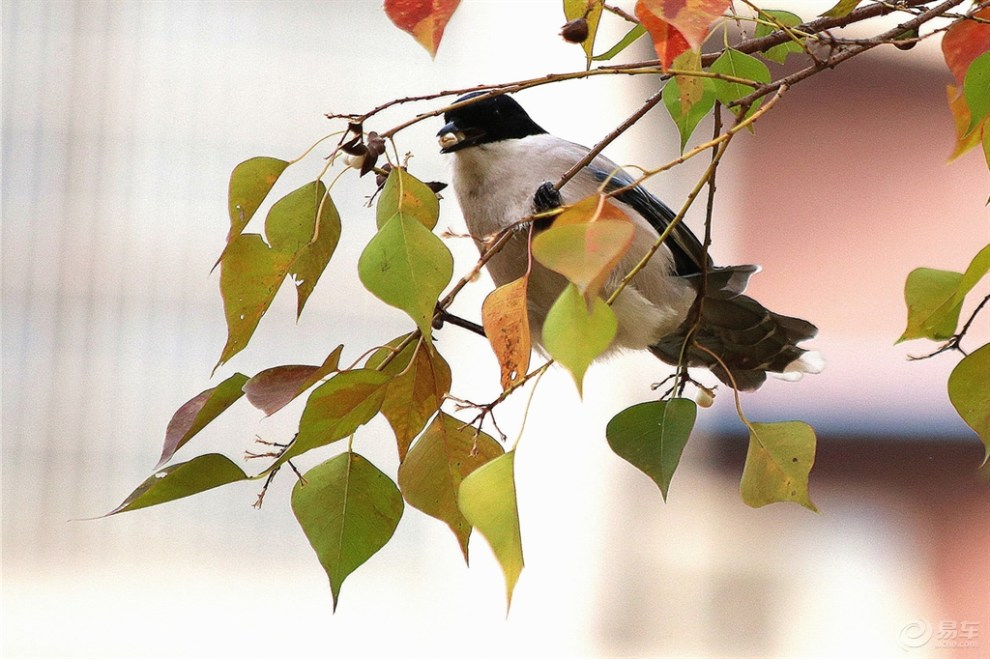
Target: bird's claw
(547, 198)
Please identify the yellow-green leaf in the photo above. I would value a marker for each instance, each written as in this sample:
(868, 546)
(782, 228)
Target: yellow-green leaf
(575, 335)
(778, 462)
(506, 321)
(250, 183)
(196, 413)
(591, 10)
(184, 479)
(431, 475)
(933, 311)
(406, 266)
(250, 275)
(408, 196)
(487, 498)
(292, 228)
(337, 408)
(842, 8)
(977, 269)
(348, 510)
(969, 391)
(651, 436)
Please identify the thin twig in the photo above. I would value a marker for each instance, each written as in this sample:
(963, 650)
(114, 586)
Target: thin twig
(648, 105)
(954, 341)
(842, 56)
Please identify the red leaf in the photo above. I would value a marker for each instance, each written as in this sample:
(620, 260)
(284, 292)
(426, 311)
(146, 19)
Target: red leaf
(678, 25)
(667, 41)
(274, 388)
(199, 411)
(964, 42)
(425, 20)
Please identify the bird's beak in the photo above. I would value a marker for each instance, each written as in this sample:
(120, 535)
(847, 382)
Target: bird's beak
(452, 138)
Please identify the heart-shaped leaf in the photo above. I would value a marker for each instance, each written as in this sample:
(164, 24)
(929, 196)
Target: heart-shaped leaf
(652, 435)
(431, 475)
(348, 510)
(487, 498)
(778, 462)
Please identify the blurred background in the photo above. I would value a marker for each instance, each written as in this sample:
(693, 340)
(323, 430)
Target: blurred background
(121, 123)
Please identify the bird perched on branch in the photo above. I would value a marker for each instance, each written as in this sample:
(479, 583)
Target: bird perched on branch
(503, 171)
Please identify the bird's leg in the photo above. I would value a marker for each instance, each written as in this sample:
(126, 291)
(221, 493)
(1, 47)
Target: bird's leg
(547, 198)
(442, 316)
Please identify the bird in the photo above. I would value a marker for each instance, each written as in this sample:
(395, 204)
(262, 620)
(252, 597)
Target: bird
(504, 166)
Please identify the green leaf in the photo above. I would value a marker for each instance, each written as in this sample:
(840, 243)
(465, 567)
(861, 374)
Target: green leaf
(687, 117)
(575, 336)
(250, 275)
(415, 393)
(406, 195)
(933, 310)
(348, 510)
(292, 229)
(406, 266)
(250, 183)
(842, 8)
(199, 411)
(738, 65)
(976, 89)
(487, 498)
(337, 408)
(977, 269)
(969, 391)
(651, 436)
(780, 52)
(431, 475)
(274, 388)
(626, 41)
(778, 462)
(184, 479)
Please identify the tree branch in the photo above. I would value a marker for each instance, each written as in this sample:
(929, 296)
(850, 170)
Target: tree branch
(842, 56)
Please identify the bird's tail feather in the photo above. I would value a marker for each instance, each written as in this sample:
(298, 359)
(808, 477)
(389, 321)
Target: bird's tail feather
(748, 339)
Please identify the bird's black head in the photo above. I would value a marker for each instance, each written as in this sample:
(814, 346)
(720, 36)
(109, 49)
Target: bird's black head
(488, 120)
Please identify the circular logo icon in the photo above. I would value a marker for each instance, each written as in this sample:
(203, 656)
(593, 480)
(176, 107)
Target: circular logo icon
(915, 634)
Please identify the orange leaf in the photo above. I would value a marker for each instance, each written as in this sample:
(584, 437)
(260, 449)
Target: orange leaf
(506, 321)
(964, 42)
(425, 20)
(586, 243)
(678, 25)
